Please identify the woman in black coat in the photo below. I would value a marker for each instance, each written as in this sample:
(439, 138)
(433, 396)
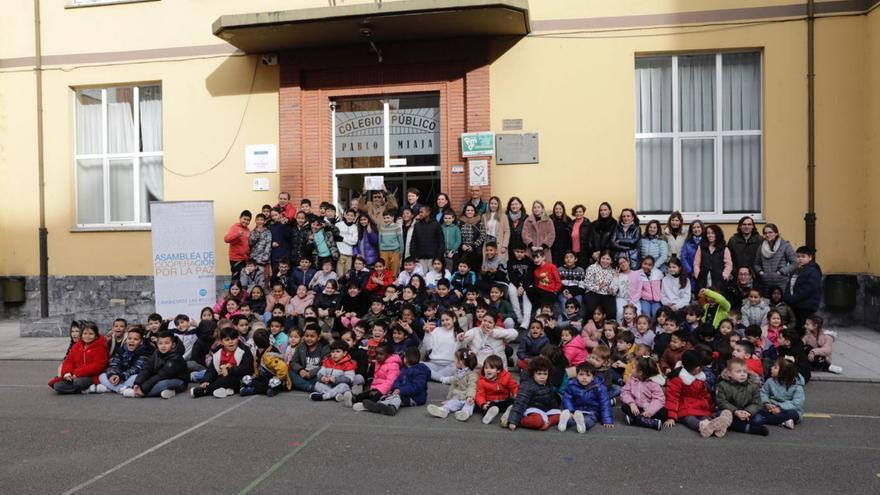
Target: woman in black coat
(562, 225)
(603, 229)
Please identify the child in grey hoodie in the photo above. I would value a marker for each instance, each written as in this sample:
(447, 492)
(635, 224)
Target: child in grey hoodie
(754, 309)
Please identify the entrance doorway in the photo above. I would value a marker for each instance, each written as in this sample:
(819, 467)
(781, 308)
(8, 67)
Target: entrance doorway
(428, 184)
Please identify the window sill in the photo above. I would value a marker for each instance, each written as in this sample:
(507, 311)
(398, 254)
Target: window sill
(113, 228)
(71, 5)
(707, 218)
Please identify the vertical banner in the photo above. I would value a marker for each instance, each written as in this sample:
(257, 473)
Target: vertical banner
(183, 257)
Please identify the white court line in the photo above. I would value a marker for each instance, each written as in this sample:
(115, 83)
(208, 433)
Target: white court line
(156, 447)
(22, 386)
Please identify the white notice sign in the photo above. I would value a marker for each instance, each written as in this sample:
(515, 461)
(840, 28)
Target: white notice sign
(260, 158)
(374, 183)
(183, 257)
(479, 175)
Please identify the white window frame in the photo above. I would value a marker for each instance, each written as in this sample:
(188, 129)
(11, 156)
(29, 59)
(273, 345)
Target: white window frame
(387, 168)
(106, 157)
(718, 135)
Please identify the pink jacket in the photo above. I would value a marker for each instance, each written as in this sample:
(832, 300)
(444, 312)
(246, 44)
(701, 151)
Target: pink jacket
(538, 233)
(632, 290)
(651, 285)
(575, 351)
(647, 395)
(386, 373)
(821, 345)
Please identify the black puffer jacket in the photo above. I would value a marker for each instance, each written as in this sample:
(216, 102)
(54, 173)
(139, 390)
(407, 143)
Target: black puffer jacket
(602, 234)
(427, 240)
(543, 397)
(562, 242)
(163, 367)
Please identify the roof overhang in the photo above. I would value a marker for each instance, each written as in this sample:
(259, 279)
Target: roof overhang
(380, 21)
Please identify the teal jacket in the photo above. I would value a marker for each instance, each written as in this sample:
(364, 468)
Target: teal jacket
(452, 236)
(391, 238)
(788, 399)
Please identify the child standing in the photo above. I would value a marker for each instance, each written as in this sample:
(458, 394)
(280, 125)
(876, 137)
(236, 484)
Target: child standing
(84, 363)
(410, 388)
(783, 396)
(537, 403)
(643, 398)
(546, 280)
(739, 393)
(451, 239)
(675, 289)
(688, 400)
(390, 242)
(462, 388)
(585, 401)
(652, 287)
(496, 389)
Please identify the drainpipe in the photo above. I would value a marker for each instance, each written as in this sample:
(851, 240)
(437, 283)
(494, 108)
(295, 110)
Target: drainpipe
(810, 217)
(43, 233)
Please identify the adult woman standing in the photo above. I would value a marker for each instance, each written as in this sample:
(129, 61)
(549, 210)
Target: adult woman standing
(675, 233)
(600, 283)
(497, 227)
(581, 239)
(472, 237)
(443, 204)
(712, 263)
(775, 260)
(516, 218)
(690, 247)
(562, 229)
(538, 229)
(745, 243)
(627, 236)
(603, 228)
(653, 244)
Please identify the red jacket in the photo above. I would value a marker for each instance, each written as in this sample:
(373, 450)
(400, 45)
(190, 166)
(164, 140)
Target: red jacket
(85, 360)
(289, 211)
(502, 388)
(547, 277)
(387, 280)
(684, 399)
(239, 249)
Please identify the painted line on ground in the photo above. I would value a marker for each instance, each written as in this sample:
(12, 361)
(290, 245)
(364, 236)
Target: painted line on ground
(282, 461)
(835, 415)
(156, 447)
(21, 386)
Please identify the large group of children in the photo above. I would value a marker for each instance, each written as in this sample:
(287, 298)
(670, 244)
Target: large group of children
(671, 323)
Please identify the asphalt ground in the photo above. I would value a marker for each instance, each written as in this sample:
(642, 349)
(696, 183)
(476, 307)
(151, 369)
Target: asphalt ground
(288, 444)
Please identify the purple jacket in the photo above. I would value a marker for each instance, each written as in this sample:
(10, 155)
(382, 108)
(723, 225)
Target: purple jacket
(368, 247)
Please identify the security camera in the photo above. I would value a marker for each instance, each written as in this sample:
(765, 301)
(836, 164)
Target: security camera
(269, 59)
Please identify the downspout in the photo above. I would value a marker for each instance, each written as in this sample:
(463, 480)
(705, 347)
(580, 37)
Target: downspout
(43, 233)
(810, 217)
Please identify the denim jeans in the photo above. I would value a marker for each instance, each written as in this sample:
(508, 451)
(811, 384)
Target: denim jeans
(105, 381)
(173, 383)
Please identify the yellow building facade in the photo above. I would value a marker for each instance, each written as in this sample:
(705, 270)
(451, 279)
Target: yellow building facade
(569, 76)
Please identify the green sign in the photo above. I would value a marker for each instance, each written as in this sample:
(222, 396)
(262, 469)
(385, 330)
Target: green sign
(477, 144)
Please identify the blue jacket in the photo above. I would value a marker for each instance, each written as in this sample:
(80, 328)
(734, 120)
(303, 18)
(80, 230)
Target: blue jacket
(788, 399)
(529, 347)
(463, 283)
(299, 277)
(411, 340)
(281, 235)
(413, 383)
(806, 291)
(657, 248)
(688, 253)
(592, 398)
(125, 363)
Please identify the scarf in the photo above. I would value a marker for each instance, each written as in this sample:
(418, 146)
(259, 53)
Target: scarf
(515, 217)
(470, 221)
(769, 252)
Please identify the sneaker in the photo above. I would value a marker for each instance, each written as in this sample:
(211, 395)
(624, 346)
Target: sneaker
(462, 415)
(722, 423)
(347, 399)
(274, 382)
(272, 392)
(833, 368)
(168, 393)
(706, 428)
(91, 390)
(247, 380)
(506, 416)
(655, 423)
(100, 388)
(247, 391)
(338, 397)
(628, 419)
(387, 409)
(371, 406)
(129, 392)
(359, 407)
(221, 393)
(788, 424)
(490, 414)
(579, 422)
(230, 391)
(357, 389)
(437, 411)
(615, 401)
(197, 392)
(564, 416)
(316, 396)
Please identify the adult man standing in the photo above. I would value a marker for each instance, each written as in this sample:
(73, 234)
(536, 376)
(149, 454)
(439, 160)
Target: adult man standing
(239, 249)
(427, 240)
(286, 207)
(381, 201)
(477, 201)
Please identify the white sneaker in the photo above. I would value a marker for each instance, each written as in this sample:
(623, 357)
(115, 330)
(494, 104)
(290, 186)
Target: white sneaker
(128, 392)
(359, 407)
(564, 416)
(833, 368)
(788, 424)
(339, 397)
(579, 422)
(347, 399)
(100, 389)
(168, 393)
(437, 411)
(230, 391)
(221, 393)
(91, 390)
(506, 416)
(462, 415)
(490, 414)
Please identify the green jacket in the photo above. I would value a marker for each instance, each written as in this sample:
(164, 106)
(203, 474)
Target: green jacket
(452, 236)
(735, 396)
(721, 310)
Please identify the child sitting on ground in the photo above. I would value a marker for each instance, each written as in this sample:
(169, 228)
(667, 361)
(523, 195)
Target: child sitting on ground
(229, 364)
(165, 373)
(336, 374)
(271, 375)
(307, 359)
(641, 350)
(585, 401)
(745, 350)
(782, 395)
(410, 389)
(819, 345)
(601, 360)
(643, 398)
(688, 400)
(386, 372)
(739, 393)
(643, 333)
(125, 364)
(623, 353)
(487, 339)
(84, 363)
(754, 309)
(678, 345)
(403, 338)
(790, 344)
(774, 327)
(573, 346)
(496, 389)
(537, 403)
(531, 344)
(462, 388)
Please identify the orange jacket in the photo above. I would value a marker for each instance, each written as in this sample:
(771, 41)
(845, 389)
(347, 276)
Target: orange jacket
(502, 388)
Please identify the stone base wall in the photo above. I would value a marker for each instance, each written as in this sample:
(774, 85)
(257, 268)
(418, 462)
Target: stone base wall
(98, 298)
